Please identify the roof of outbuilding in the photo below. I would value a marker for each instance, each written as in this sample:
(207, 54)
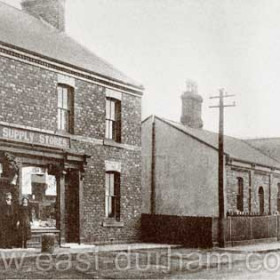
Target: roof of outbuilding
(269, 146)
(19, 29)
(234, 147)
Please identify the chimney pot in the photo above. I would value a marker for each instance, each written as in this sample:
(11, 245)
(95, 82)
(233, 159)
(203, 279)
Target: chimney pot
(191, 106)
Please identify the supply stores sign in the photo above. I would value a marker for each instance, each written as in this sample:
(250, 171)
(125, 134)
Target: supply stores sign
(33, 137)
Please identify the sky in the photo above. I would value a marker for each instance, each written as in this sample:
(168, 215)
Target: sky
(230, 44)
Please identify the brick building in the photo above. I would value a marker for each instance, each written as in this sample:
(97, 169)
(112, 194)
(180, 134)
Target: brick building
(70, 130)
(180, 172)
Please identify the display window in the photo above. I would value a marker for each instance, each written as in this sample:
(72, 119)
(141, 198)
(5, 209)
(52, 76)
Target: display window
(41, 190)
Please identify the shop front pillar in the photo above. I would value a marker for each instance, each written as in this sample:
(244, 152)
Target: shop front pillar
(61, 205)
(81, 208)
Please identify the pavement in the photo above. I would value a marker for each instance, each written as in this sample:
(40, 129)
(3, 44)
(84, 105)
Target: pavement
(74, 248)
(172, 253)
(254, 248)
(132, 261)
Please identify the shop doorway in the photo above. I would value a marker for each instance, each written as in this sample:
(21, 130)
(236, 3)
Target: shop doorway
(72, 216)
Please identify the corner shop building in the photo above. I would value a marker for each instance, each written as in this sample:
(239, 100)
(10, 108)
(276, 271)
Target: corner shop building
(70, 127)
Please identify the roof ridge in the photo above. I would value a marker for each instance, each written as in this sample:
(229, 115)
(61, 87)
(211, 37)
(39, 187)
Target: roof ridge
(12, 6)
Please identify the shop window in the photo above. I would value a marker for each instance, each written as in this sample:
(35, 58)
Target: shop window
(240, 193)
(41, 190)
(261, 200)
(113, 119)
(112, 186)
(65, 108)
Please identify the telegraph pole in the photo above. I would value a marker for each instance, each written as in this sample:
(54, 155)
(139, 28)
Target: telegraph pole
(221, 106)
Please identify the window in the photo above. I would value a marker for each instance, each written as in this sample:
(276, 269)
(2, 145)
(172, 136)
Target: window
(112, 185)
(261, 200)
(113, 119)
(41, 190)
(65, 108)
(278, 198)
(240, 193)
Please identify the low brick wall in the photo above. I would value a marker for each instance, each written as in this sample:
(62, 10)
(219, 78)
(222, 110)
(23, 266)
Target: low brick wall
(188, 231)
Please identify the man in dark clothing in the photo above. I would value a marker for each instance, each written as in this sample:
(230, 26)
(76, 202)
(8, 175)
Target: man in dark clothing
(8, 222)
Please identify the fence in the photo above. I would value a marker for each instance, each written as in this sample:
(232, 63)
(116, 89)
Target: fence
(252, 228)
(203, 231)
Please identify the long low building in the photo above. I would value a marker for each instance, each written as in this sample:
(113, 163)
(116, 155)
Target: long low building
(180, 169)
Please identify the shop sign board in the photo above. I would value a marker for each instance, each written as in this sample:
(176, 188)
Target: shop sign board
(33, 137)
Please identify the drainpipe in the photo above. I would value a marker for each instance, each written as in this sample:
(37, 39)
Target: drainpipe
(153, 183)
(270, 186)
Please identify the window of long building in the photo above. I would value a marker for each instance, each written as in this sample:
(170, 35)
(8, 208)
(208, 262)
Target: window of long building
(112, 203)
(65, 108)
(261, 200)
(113, 119)
(240, 193)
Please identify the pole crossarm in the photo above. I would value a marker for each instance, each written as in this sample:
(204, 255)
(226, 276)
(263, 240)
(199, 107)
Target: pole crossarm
(224, 96)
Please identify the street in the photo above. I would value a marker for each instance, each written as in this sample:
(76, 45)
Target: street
(177, 263)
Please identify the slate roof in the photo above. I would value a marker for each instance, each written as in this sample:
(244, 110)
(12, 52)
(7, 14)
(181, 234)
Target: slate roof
(234, 147)
(269, 146)
(18, 28)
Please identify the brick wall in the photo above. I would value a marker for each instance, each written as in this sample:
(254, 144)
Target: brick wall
(232, 188)
(274, 193)
(260, 180)
(28, 97)
(252, 179)
(94, 192)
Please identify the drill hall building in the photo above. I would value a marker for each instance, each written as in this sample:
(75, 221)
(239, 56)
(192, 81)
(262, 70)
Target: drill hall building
(70, 130)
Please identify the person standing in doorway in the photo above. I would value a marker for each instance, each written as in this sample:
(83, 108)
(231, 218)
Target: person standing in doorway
(8, 222)
(24, 222)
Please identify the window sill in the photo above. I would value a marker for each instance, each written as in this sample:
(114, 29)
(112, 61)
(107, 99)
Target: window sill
(63, 133)
(112, 223)
(112, 143)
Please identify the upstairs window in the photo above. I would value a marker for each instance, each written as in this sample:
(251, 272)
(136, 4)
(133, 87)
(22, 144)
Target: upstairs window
(240, 193)
(112, 203)
(113, 119)
(65, 108)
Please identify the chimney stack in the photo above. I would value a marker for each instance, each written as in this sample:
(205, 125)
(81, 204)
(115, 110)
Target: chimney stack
(191, 106)
(51, 11)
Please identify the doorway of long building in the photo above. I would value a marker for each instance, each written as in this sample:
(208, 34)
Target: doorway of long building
(72, 219)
